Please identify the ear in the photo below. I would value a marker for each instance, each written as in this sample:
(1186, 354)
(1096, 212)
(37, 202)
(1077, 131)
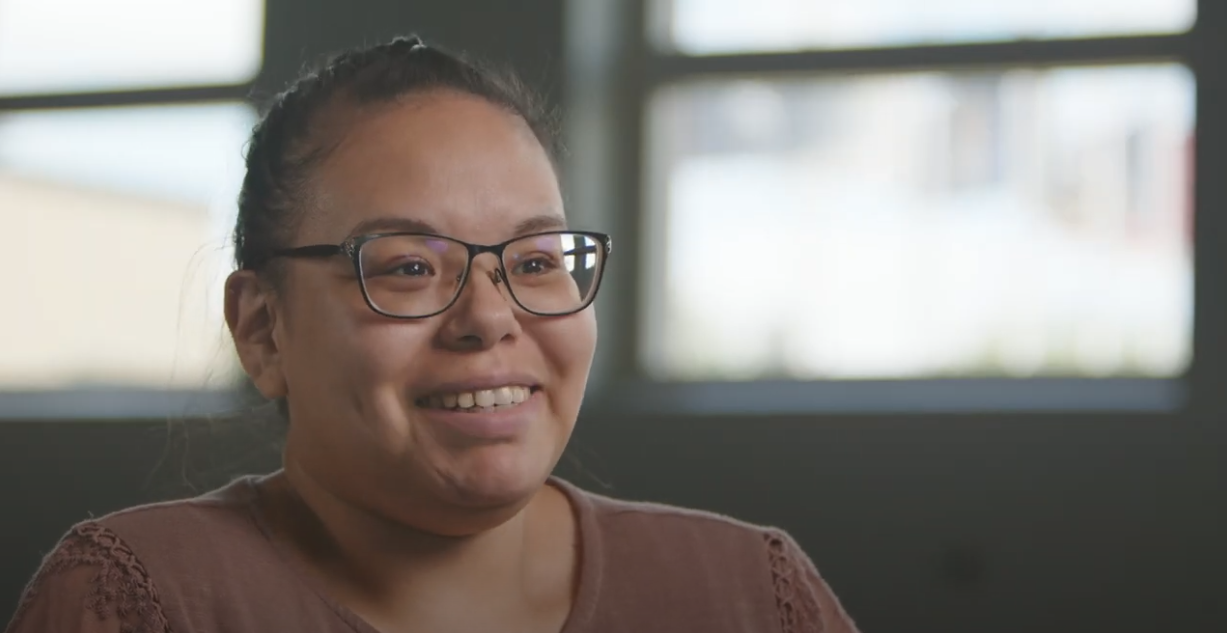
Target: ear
(252, 319)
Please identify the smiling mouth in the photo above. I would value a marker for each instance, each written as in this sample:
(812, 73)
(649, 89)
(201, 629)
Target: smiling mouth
(483, 400)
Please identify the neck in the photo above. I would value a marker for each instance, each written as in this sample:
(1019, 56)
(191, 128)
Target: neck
(381, 561)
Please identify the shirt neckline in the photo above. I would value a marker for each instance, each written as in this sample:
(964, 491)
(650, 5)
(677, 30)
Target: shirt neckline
(588, 572)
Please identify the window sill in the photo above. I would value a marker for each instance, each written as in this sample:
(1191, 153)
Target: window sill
(116, 404)
(989, 395)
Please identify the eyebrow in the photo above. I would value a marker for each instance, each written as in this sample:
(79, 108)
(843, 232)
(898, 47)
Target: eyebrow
(539, 223)
(535, 224)
(393, 225)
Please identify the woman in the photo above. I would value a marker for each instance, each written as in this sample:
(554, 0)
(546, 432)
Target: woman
(409, 292)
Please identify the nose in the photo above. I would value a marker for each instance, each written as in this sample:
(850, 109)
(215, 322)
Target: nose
(484, 314)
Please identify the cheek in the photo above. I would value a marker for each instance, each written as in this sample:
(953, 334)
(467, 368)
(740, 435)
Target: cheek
(338, 349)
(569, 345)
(348, 392)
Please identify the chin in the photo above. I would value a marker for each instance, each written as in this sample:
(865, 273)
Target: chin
(498, 477)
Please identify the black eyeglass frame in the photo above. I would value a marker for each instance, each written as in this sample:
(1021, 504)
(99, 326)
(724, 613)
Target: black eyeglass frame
(352, 248)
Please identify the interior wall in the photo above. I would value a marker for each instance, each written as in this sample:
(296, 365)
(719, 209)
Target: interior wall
(952, 524)
(527, 34)
(967, 524)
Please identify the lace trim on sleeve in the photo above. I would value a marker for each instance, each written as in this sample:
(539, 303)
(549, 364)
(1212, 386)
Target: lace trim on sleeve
(798, 607)
(122, 587)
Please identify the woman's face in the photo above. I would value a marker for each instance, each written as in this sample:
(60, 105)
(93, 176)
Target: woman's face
(359, 385)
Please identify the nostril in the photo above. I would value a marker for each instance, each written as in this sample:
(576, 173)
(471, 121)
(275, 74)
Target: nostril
(471, 341)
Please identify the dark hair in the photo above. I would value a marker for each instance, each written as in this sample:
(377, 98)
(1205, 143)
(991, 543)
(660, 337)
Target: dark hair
(286, 144)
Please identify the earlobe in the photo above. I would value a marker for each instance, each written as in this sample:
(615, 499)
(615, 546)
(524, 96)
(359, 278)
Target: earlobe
(251, 318)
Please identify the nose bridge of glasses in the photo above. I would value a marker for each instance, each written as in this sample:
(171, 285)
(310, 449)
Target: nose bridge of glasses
(495, 273)
(474, 292)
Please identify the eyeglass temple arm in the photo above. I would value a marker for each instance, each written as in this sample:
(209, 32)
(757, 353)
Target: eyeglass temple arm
(315, 250)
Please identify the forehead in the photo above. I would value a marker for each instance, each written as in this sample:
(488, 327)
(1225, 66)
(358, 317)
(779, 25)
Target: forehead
(455, 162)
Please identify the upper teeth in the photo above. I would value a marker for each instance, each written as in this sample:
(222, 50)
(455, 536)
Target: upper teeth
(501, 396)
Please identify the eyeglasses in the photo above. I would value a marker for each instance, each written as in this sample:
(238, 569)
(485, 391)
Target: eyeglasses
(419, 275)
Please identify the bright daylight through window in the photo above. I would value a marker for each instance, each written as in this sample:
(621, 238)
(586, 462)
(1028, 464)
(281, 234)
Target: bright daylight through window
(993, 223)
(698, 27)
(49, 46)
(118, 217)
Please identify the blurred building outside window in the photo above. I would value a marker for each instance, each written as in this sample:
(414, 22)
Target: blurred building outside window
(1013, 221)
(122, 127)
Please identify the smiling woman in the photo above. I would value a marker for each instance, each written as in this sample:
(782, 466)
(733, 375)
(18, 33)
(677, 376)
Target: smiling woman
(408, 288)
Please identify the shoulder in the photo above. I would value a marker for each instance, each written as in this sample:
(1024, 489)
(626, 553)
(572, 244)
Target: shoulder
(756, 576)
(91, 582)
(667, 525)
(667, 567)
(194, 532)
(210, 557)
(182, 527)
(135, 569)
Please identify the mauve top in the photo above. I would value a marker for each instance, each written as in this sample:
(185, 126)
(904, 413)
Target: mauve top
(210, 564)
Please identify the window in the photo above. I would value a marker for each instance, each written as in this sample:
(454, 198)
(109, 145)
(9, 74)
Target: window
(1007, 224)
(51, 46)
(885, 191)
(121, 156)
(697, 27)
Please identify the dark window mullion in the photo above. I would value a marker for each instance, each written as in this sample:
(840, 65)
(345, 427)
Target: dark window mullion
(667, 68)
(153, 96)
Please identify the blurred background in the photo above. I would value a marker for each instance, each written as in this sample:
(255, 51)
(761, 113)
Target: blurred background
(940, 287)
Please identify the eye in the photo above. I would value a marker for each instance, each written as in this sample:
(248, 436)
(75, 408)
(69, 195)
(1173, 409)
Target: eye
(416, 268)
(534, 266)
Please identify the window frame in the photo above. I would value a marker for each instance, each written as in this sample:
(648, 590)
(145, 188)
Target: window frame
(130, 403)
(626, 69)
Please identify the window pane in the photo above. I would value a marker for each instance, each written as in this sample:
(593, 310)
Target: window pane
(82, 45)
(1029, 223)
(116, 223)
(724, 26)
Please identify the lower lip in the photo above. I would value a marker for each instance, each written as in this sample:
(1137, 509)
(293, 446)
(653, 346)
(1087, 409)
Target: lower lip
(498, 424)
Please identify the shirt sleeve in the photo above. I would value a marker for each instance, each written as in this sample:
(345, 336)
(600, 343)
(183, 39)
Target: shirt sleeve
(803, 599)
(90, 583)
